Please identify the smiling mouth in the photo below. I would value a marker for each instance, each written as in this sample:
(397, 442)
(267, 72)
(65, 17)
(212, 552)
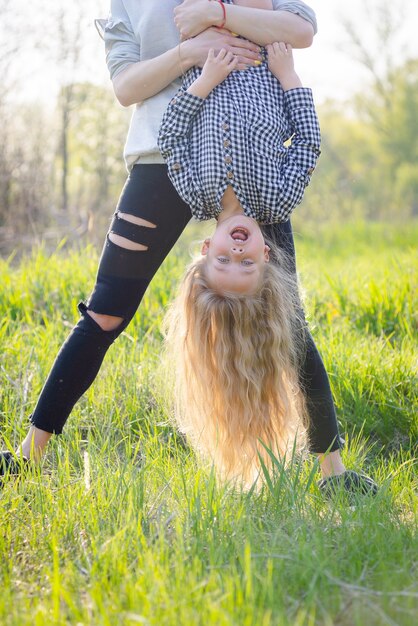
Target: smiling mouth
(239, 234)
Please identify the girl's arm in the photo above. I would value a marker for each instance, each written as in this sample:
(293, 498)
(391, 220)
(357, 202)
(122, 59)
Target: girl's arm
(174, 134)
(174, 145)
(300, 158)
(193, 16)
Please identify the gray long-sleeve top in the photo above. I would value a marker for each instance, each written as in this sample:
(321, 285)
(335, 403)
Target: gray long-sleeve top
(138, 30)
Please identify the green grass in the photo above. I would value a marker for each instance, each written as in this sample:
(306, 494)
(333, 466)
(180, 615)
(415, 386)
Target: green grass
(122, 526)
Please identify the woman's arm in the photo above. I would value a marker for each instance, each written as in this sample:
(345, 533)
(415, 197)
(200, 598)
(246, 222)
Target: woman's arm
(144, 79)
(193, 16)
(265, 28)
(255, 4)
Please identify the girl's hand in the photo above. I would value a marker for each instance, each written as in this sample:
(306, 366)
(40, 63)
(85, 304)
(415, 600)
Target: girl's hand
(281, 64)
(218, 67)
(194, 16)
(215, 70)
(197, 48)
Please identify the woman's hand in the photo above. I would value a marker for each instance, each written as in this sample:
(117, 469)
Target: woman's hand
(194, 16)
(197, 48)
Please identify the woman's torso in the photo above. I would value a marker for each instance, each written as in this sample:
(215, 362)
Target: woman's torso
(138, 30)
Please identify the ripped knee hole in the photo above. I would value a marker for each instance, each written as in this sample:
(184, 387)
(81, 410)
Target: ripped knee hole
(131, 232)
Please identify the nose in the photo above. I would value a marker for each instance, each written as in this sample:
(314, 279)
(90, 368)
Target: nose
(237, 249)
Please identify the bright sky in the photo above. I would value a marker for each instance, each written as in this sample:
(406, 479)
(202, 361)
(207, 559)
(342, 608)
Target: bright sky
(327, 67)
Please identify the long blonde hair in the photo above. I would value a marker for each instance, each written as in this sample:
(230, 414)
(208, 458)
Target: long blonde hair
(235, 363)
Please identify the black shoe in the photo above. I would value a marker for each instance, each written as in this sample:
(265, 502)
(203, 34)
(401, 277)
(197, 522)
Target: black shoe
(351, 482)
(11, 465)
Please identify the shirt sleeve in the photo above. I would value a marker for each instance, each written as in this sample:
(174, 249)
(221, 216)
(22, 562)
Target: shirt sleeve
(300, 158)
(299, 8)
(121, 45)
(174, 144)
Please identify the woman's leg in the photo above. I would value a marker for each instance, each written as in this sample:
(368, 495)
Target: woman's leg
(148, 220)
(323, 427)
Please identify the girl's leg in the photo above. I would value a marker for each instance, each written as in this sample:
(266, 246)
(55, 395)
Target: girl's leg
(148, 220)
(323, 428)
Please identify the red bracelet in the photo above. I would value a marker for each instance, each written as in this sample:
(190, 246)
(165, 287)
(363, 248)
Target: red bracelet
(224, 12)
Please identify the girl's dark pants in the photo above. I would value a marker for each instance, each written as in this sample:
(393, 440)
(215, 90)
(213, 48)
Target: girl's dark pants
(122, 280)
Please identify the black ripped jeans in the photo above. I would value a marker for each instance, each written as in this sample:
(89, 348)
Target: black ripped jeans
(122, 280)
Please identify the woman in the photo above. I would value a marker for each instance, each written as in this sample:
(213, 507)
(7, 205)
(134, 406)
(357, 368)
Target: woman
(145, 61)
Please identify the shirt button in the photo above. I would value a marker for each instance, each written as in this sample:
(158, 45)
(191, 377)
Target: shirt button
(311, 171)
(176, 167)
(228, 159)
(226, 143)
(230, 175)
(225, 126)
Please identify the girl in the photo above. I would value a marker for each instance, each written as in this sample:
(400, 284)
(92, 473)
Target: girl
(235, 333)
(142, 48)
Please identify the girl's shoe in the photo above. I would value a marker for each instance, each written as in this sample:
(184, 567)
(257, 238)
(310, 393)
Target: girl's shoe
(11, 465)
(349, 481)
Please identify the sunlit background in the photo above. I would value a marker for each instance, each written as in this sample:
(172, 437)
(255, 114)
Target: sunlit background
(330, 67)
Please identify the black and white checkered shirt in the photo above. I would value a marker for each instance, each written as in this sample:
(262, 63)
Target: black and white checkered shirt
(235, 137)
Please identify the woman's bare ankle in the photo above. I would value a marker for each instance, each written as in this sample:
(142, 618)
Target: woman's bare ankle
(331, 464)
(34, 444)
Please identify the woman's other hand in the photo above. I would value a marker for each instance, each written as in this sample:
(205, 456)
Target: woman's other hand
(197, 48)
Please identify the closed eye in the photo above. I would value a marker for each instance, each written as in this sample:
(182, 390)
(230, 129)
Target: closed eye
(223, 259)
(247, 262)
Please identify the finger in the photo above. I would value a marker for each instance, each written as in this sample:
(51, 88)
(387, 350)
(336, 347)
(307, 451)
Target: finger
(289, 48)
(222, 54)
(226, 32)
(248, 45)
(211, 54)
(229, 56)
(243, 44)
(247, 62)
(245, 54)
(282, 47)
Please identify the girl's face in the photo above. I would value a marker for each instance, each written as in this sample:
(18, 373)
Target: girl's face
(235, 255)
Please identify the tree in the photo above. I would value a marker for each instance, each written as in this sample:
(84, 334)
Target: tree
(388, 108)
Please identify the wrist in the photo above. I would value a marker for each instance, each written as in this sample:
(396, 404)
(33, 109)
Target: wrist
(216, 13)
(201, 87)
(187, 55)
(289, 80)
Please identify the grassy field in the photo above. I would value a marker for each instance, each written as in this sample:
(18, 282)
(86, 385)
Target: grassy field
(122, 526)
